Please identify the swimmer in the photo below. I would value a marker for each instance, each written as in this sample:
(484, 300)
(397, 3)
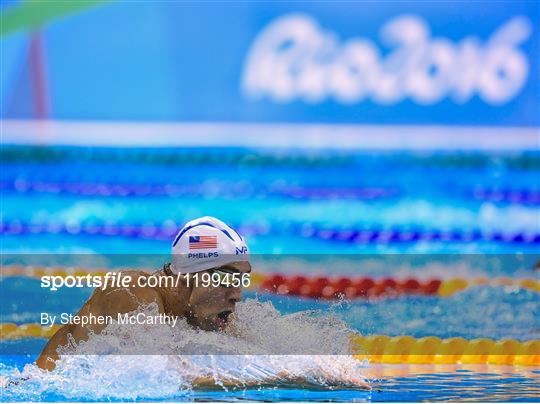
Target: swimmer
(204, 245)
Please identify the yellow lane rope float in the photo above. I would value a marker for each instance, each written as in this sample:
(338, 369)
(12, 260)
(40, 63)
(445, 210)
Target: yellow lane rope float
(384, 349)
(319, 286)
(434, 350)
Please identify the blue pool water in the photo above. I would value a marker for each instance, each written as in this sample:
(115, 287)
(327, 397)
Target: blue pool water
(278, 198)
(428, 384)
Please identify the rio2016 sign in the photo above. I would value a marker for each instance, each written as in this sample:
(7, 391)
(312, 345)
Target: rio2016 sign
(293, 58)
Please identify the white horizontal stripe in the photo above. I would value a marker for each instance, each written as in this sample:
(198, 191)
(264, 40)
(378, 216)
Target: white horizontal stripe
(268, 135)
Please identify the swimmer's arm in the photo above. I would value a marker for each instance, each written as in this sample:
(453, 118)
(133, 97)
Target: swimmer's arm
(326, 380)
(101, 303)
(49, 354)
(282, 379)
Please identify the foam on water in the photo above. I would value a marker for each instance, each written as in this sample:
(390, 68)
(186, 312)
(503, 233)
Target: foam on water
(245, 356)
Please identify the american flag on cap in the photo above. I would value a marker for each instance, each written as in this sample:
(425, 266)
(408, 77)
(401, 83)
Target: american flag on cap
(202, 242)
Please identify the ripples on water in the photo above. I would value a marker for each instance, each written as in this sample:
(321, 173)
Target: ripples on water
(317, 345)
(423, 201)
(156, 382)
(86, 376)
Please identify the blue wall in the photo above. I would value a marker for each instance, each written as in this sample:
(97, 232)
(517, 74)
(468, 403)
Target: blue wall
(189, 61)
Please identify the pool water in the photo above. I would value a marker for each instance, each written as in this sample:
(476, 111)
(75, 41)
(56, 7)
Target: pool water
(100, 201)
(270, 195)
(421, 384)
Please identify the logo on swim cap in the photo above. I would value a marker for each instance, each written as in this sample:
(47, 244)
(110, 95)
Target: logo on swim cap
(202, 242)
(242, 250)
(206, 243)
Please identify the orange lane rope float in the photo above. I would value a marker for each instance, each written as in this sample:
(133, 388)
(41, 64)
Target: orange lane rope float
(402, 349)
(320, 287)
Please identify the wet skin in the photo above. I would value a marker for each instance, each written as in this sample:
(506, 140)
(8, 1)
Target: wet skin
(208, 308)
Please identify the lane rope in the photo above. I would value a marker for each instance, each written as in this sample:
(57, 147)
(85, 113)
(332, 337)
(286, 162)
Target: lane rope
(171, 157)
(240, 190)
(167, 230)
(174, 190)
(319, 287)
(368, 287)
(391, 236)
(401, 349)
(507, 195)
(433, 350)
(249, 157)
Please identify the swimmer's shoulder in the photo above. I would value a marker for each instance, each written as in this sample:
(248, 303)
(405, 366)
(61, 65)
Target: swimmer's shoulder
(134, 275)
(128, 298)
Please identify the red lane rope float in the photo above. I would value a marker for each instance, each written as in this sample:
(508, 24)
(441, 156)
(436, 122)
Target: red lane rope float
(366, 287)
(318, 287)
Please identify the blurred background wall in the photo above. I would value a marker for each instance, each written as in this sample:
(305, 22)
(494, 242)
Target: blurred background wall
(466, 63)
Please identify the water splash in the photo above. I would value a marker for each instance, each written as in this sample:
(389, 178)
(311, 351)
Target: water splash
(110, 365)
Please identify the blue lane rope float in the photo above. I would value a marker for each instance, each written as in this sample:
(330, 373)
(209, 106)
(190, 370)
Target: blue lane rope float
(240, 190)
(367, 236)
(170, 190)
(167, 230)
(507, 195)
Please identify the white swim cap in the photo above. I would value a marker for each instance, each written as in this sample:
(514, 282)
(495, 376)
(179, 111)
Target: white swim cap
(206, 243)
